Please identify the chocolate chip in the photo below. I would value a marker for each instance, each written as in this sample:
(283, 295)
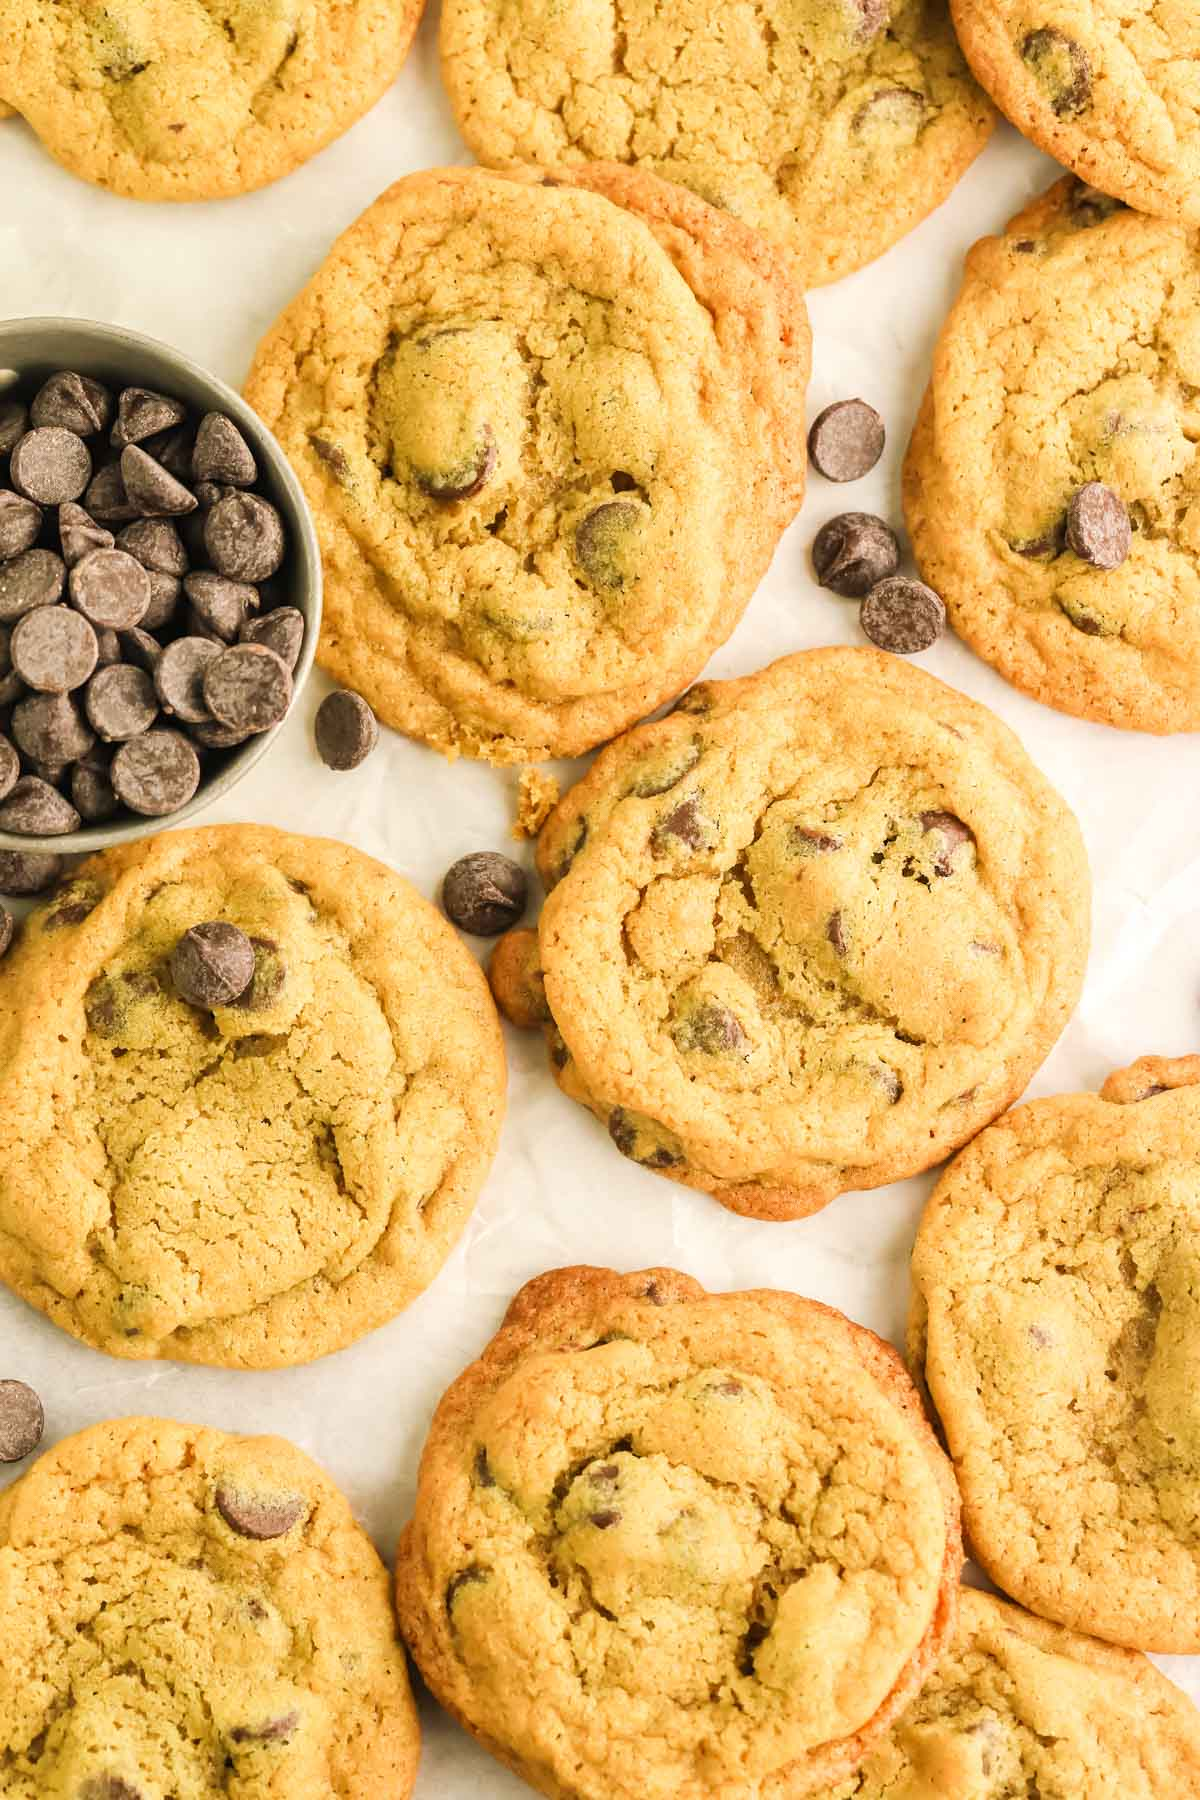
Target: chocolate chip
(835, 933)
(141, 413)
(243, 535)
(35, 578)
(153, 491)
(173, 449)
(272, 1732)
(606, 539)
(156, 544)
(8, 930)
(73, 903)
(22, 1421)
(1098, 528)
(156, 773)
(953, 835)
(604, 1521)
(623, 1130)
(79, 534)
(10, 767)
(110, 588)
(714, 1030)
(854, 551)
(222, 606)
(222, 453)
(212, 964)
(1090, 207)
(484, 893)
(14, 423)
(902, 615)
(121, 702)
(281, 630)
(211, 734)
(106, 497)
(467, 477)
(270, 973)
(248, 687)
(846, 440)
(895, 111)
(1062, 69)
(884, 1076)
(108, 647)
(258, 1516)
(35, 809)
(806, 842)
(684, 824)
(20, 524)
(50, 465)
(74, 402)
(346, 730)
(137, 646)
(868, 18)
(109, 1787)
(179, 677)
(164, 598)
(209, 492)
(50, 728)
(472, 1577)
(53, 649)
(110, 1000)
(1044, 547)
(24, 872)
(92, 794)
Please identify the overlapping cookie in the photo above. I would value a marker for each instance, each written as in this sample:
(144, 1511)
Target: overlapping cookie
(675, 1544)
(250, 1086)
(551, 431)
(180, 100)
(834, 126)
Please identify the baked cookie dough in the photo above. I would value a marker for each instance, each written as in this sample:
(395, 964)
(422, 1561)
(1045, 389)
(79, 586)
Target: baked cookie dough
(250, 1184)
(1019, 1707)
(1071, 357)
(810, 932)
(1056, 1324)
(670, 1544)
(187, 100)
(834, 126)
(1110, 90)
(196, 1615)
(551, 432)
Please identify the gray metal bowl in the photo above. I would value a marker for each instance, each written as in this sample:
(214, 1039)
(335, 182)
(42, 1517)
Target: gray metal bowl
(32, 349)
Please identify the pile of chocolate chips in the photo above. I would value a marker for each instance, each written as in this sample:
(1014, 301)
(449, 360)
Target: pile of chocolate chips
(140, 637)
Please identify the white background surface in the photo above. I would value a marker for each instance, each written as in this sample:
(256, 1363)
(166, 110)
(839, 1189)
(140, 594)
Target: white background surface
(211, 278)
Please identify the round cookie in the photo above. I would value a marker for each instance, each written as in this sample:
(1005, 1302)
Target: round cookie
(197, 1615)
(668, 1544)
(180, 100)
(1019, 1707)
(1056, 1324)
(833, 126)
(810, 932)
(253, 1182)
(1108, 89)
(1070, 358)
(551, 431)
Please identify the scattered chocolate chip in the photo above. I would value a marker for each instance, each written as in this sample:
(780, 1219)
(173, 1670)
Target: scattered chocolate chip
(258, 1516)
(73, 903)
(281, 631)
(222, 453)
(835, 933)
(484, 893)
(1062, 69)
(806, 842)
(684, 824)
(1090, 207)
(79, 534)
(1098, 528)
(20, 524)
(24, 872)
(14, 423)
(1046, 546)
(243, 535)
(898, 112)
(141, 413)
(156, 544)
(50, 728)
(714, 1030)
(35, 809)
(50, 465)
(605, 540)
(35, 578)
(156, 773)
(270, 973)
(212, 964)
(179, 677)
(10, 767)
(110, 588)
(867, 18)
(74, 402)
(1082, 619)
(332, 455)
(846, 440)
(120, 702)
(854, 551)
(221, 606)
(604, 1521)
(472, 1577)
(22, 1421)
(109, 1787)
(884, 1076)
(466, 478)
(153, 491)
(53, 649)
(92, 794)
(953, 835)
(346, 730)
(106, 497)
(272, 1732)
(248, 687)
(902, 615)
(623, 1130)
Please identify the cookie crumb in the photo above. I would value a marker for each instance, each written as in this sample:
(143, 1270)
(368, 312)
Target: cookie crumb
(537, 796)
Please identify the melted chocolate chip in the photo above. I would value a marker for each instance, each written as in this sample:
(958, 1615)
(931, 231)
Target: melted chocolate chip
(953, 835)
(1062, 68)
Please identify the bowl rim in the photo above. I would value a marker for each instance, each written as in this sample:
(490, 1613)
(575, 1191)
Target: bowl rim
(304, 547)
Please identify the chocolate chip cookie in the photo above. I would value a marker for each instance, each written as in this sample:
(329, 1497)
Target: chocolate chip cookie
(250, 1086)
(551, 431)
(190, 1613)
(809, 932)
(1019, 1707)
(834, 126)
(1110, 90)
(163, 101)
(675, 1543)
(1052, 486)
(1056, 1324)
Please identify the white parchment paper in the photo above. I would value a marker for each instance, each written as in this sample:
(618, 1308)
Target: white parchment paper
(211, 278)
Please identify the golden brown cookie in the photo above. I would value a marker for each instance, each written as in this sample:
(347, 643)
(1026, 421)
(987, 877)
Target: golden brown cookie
(194, 1615)
(810, 932)
(1065, 378)
(1056, 1325)
(183, 100)
(670, 1544)
(834, 126)
(248, 1181)
(551, 432)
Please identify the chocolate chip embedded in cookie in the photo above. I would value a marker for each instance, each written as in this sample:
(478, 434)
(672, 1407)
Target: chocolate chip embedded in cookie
(209, 1646)
(722, 1517)
(278, 1065)
(555, 478)
(1055, 1323)
(811, 936)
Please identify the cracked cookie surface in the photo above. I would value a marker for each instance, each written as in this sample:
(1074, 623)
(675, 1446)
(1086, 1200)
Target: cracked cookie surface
(669, 1545)
(1018, 1707)
(260, 1183)
(810, 932)
(1071, 356)
(551, 436)
(1056, 1324)
(834, 126)
(195, 99)
(1109, 89)
(189, 1615)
